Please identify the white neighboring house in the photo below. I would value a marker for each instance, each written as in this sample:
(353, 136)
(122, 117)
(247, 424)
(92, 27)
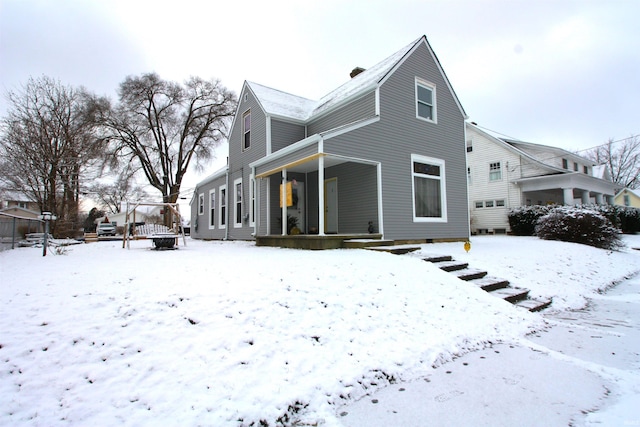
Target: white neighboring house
(503, 174)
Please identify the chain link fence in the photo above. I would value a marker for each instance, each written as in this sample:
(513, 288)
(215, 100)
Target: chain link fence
(14, 228)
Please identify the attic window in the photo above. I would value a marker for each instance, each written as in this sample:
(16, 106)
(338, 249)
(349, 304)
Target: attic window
(565, 164)
(246, 130)
(469, 146)
(425, 100)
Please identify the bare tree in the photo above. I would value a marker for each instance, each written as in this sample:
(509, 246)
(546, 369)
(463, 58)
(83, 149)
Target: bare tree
(113, 195)
(48, 146)
(164, 125)
(622, 158)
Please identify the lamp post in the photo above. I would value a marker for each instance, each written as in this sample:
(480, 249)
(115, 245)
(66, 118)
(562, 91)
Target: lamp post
(46, 216)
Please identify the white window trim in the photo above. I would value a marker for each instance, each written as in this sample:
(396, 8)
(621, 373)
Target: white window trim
(443, 187)
(200, 204)
(244, 130)
(500, 168)
(212, 209)
(432, 87)
(252, 200)
(222, 202)
(235, 203)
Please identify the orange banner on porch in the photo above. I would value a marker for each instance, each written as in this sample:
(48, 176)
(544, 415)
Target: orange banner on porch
(289, 190)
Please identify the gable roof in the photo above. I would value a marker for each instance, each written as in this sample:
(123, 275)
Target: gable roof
(635, 192)
(282, 104)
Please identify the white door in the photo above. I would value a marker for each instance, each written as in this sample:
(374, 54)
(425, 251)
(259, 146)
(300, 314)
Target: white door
(331, 205)
(297, 210)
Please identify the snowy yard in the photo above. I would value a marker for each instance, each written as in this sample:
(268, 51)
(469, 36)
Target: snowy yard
(226, 333)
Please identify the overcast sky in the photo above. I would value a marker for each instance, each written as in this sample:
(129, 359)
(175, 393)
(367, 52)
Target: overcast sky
(556, 72)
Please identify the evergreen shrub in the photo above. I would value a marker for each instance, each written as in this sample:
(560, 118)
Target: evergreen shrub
(523, 219)
(579, 225)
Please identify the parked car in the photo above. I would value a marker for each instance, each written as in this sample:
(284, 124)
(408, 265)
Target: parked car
(106, 229)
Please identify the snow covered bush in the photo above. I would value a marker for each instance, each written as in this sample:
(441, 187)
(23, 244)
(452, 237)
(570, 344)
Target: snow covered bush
(523, 219)
(573, 224)
(627, 219)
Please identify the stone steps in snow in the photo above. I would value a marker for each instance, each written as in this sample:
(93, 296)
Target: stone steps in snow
(511, 295)
(469, 273)
(489, 283)
(533, 304)
(451, 265)
(396, 249)
(437, 258)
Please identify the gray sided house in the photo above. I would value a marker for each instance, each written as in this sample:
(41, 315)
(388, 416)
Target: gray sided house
(383, 154)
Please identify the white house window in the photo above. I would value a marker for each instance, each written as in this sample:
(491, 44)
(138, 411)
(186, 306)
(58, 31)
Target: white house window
(246, 130)
(237, 202)
(488, 203)
(222, 218)
(425, 100)
(585, 170)
(252, 200)
(575, 167)
(469, 146)
(499, 203)
(429, 196)
(469, 175)
(479, 205)
(495, 171)
(201, 204)
(627, 200)
(212, 208)
(565, 164)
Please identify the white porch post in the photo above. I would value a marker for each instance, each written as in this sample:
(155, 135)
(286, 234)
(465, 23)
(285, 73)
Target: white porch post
(567, 196)
(598, 198)
(585, 197)
(321, 196)
(284, 202)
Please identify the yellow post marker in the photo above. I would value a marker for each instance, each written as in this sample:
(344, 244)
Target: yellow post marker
(467, 246)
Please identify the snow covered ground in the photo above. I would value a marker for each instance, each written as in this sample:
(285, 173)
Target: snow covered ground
(226, 333)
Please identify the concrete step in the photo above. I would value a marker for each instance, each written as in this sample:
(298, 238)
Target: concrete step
(533, 304)
(396, 249)
(469, 274)
(489, 284)
(437, 258)
(510, 294)
(366, 243)
(451, 265)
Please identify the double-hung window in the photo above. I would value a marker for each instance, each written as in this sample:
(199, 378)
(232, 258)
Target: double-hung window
(429, 195)
(252, 200)
(425, 100)
(246, 130)
(237, 202)
(495, 171)
(222, 221)
(200, 203)
(212, 208)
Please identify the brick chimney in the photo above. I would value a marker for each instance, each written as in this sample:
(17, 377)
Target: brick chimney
(356, 71)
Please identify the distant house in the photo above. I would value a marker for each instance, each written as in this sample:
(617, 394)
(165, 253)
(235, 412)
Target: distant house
(504, 173)
(15, 199)
(384, 154)
(20, 212)
(627, 197)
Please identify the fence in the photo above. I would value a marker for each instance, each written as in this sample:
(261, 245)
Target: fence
(13, 229)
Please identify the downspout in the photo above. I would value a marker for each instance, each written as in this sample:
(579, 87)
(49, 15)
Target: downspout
(226, 204)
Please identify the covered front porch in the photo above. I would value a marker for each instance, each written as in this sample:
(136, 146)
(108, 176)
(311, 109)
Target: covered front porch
(325, 198)
(566, 189)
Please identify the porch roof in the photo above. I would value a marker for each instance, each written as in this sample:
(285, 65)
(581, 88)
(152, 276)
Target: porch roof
(311, 163)
(567, 180)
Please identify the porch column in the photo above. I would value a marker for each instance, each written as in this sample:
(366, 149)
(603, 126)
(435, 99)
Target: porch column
(585, 197)
(608, 200)
(598, 198)
(567, 196)
(283, 202)
(321, 196)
